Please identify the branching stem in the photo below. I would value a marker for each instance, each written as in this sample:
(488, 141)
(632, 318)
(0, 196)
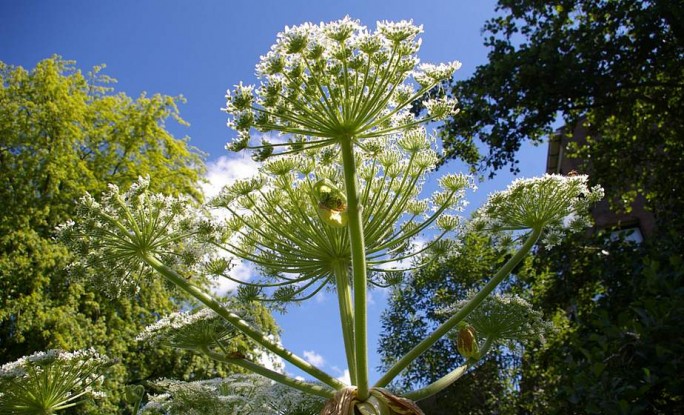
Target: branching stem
(270, 374)
(239, 323)
(446, 380)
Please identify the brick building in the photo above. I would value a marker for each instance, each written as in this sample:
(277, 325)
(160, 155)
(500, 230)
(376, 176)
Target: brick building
(637, 224)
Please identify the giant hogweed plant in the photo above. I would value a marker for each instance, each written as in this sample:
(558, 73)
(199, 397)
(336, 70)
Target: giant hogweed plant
(337, 205)
(51, 381)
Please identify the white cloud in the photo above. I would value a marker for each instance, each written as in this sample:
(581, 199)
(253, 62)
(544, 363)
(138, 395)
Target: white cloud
(314, 358)
(370, 300)
(269, 360)
(226, 170)
(418, 243)
(345, 378)
(321, 297)
(242, 271)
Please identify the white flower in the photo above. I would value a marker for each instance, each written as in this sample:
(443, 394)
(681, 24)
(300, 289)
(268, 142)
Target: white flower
(51, 380)
(333, 81)
(274, 219)
(113, 236)
(504, 319)
(236, 394)
(554, 201)
(441, 108)
(399, 31)
(341, 30)
(428, 73)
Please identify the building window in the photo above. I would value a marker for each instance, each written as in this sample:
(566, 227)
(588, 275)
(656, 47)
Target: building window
(628, 234)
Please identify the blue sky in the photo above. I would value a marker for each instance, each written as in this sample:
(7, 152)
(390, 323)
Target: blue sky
(201, 48)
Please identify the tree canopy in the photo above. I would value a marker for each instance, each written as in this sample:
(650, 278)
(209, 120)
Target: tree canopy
(615, 69)
(617, 348)
(64, 133)
(615, 66)
(420, 304)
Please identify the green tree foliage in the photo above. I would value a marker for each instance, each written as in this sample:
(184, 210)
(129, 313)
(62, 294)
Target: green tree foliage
(418, 306)
(619, 348)
(616, 66)
(64, 133)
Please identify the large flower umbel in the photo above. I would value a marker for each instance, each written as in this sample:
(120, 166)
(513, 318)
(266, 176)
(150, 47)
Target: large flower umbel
(328, 82)
(552, 201)
(236, 394)
(278, 220)
(114, 234)
(47, 382)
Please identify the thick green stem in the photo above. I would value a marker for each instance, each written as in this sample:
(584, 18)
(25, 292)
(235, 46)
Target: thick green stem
(438, 385)
(344, 300)
(358, 251)
(239, 323)
(446, 380)
(275, 376)
(445, 327)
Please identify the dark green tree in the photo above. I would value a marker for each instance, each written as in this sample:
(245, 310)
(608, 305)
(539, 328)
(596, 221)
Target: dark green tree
(617, 67)
(418, 306)
(64, 133)
(619, 347)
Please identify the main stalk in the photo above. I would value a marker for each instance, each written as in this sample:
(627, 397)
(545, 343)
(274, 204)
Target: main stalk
(359, 271)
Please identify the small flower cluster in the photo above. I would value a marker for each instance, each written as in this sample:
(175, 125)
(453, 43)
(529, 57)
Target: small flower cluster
(232, 395)
(21, 367)
(46, 382)
(322, 83)
(504, 319)
(551, 202)
(113, 235)
(279, 221)
(203, 330)
(190, 330)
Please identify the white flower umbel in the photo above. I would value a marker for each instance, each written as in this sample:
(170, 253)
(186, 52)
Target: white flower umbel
(204, 330)
(504, 319)
(274, 219)
(47, 382)
(236, 394)
(336, 81)
(339, 86)
(298, 235)
(190, 330)
(140, 231)
(552, 201)
(113, 234)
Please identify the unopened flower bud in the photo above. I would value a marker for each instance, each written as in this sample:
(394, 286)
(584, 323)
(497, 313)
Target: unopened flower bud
(466, 343)
(330, 195)
(332, 217)
(332, 204)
